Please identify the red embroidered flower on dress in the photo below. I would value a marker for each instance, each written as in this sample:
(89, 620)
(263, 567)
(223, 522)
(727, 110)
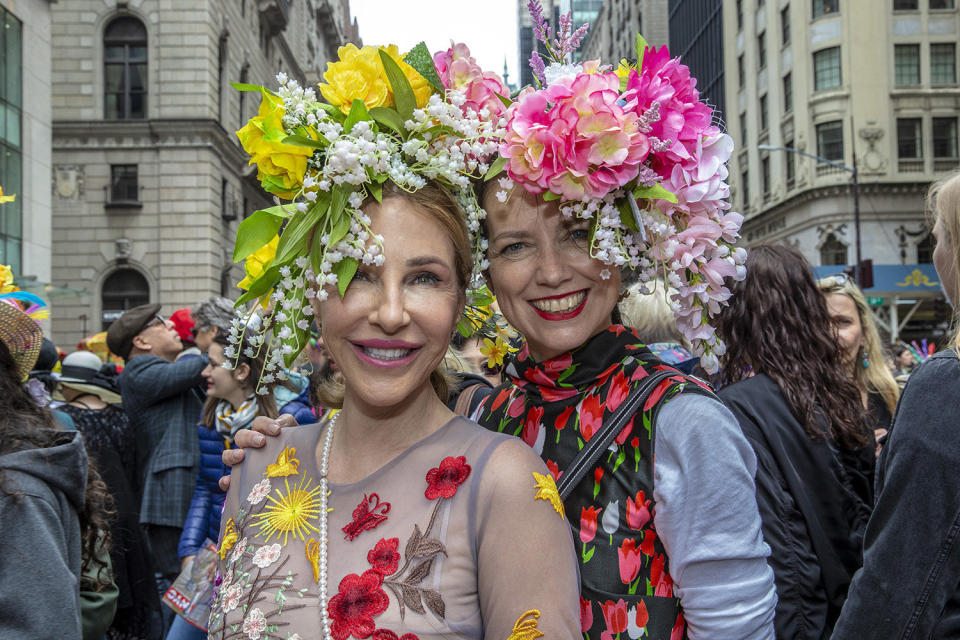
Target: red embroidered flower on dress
(386, 634)
(443, 481)
(384, 557)
(358, 600)
(369, 514)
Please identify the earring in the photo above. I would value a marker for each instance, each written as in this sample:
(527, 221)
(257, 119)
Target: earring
(866, 359)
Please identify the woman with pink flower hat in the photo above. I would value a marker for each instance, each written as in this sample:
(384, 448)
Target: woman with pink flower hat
(609, 172)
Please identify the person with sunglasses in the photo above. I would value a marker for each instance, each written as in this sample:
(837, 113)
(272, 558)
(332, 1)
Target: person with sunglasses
(162, 401)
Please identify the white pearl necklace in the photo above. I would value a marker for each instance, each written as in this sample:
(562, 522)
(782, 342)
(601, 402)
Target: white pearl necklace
(322, 561)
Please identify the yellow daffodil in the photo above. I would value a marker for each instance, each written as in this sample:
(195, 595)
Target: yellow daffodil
(280, 167)
(254, 264)
(547, 490)
(359, 75)
(4, 198)
(6, 280)
(494, 351)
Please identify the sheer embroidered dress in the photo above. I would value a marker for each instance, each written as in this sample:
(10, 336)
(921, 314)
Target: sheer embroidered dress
(425, 547)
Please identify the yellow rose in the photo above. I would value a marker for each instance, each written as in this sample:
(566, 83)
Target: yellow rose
(6, 280)
(254, 264)
(280, 167)
(357, 75)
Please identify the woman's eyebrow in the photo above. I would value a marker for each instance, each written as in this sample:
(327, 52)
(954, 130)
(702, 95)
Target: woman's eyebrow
(423, 261)
(512, 234)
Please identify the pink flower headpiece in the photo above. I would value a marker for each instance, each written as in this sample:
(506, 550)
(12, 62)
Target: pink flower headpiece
(634, 150)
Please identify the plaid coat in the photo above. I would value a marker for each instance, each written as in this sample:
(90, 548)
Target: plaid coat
(163, 403)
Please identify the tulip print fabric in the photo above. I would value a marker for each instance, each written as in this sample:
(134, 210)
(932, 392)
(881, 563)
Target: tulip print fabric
(556, 407)
(415, 550)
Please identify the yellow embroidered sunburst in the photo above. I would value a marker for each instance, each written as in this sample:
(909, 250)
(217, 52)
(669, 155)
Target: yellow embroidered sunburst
(290, 514)
(286, 464)
(230, 536)
(526, 627)
(547, 490)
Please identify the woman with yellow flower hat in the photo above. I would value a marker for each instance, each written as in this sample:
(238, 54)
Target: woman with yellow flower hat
(398, 520)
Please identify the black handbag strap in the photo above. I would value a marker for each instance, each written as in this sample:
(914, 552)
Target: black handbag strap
(593, 449)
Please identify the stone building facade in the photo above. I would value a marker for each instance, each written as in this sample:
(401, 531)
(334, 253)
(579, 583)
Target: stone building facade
(149, 180)
(613, 35)
(864, 84)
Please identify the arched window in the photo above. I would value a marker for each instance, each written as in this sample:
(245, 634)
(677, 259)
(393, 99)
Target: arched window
(125, 69)
(833, 252)
(925, 249)
(123, 289)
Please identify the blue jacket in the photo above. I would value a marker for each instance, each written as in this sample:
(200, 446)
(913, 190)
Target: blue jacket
(203, 518)
(296, 403)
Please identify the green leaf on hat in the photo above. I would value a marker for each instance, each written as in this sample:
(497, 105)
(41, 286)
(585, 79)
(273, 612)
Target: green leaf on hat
(626, 215)
(293, 240)
(345, 270)
(333, 112)
(495, 168)
(641, 47)
(505, 100)
(656, 192)
(267, 280)
(358, 112)
(242, 86)
(549, 196)
(376, 190)
(304, 141)
(341, 225)
(402, 91)
(257, 230)
(420, 59)
(389, 118)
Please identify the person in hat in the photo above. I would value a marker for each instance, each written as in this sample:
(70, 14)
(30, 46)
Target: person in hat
(162, 402)
(91, 400)
(186, 329)
(53, 507)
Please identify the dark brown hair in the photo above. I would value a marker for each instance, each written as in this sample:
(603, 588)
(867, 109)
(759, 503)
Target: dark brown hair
(266, 403)
(25, 425)
(777, 324)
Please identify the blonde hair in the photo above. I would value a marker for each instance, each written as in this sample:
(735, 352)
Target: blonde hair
(875, 377)
(650, 314)
(438, 204)
(943, 205)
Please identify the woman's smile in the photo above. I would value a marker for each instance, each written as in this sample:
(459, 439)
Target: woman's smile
(561, 307)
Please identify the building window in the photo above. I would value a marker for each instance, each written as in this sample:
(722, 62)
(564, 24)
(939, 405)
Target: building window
(745, 187)
(906, 64)
(244, 79)
(741, 74)
(905, 5)
(763, 113)
(762, 51)
(941, 4)
(909, 144)
(122, 290)
(785, 25)
(925, 249)
(788, 160)
(788, 93)
(125, 69)
(765, 176)
(221, 70)
(943, 63)
(743, 129)
(739, 14)
(830, 140)
(826, 69)
(833, 252)
(824, 7)
(124, 189)
(944, 144)
(11, 163)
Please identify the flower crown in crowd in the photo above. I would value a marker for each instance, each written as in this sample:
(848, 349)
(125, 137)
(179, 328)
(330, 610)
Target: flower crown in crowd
(384, 116)
(635, 151)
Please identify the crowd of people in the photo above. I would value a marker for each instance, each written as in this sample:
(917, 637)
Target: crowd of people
(655, 434)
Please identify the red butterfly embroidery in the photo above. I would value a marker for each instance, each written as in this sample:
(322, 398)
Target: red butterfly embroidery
(369, 514)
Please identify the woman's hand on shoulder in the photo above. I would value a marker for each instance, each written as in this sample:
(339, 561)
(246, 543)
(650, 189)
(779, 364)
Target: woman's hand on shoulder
(262, 427)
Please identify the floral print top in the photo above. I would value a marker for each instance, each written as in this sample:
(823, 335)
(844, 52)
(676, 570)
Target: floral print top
(425, 547)
(555, 407)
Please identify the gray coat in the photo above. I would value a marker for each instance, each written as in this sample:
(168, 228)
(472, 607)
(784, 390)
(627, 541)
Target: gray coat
(163, 403)
(41, 492)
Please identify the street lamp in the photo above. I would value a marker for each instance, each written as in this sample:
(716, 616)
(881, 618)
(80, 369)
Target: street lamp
(854, 185)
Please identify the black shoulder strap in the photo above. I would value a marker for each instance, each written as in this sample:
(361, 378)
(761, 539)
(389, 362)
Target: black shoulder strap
(592, 451)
